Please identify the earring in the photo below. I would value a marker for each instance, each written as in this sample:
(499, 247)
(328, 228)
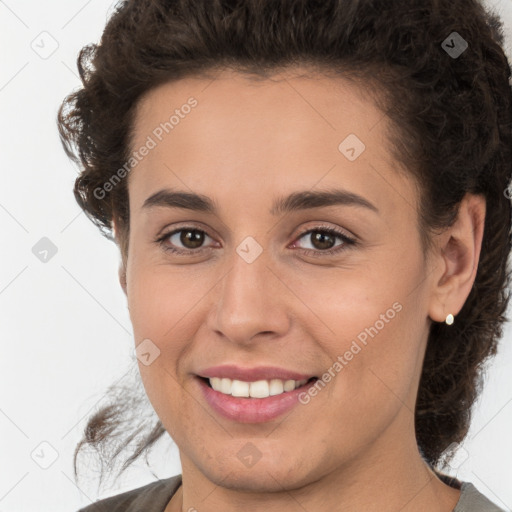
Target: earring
(449, 319)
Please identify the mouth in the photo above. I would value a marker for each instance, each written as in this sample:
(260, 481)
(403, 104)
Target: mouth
(256, 389)
(252, 402)
(207, 381)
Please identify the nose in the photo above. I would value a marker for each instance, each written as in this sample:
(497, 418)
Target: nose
(250, 301)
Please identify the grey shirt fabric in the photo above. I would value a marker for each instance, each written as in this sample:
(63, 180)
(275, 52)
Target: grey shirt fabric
(471, 500)
(152, 497)
(155, 496)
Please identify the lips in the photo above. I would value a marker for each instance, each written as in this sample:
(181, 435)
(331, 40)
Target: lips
(249, 410)
(257, 373)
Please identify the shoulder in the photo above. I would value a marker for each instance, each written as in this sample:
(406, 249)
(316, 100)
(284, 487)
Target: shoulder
(472, 500)
(152, 497)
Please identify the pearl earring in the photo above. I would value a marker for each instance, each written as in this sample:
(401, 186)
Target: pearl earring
(449, 319)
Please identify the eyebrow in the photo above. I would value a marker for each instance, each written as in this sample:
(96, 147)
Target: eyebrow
(301, 200)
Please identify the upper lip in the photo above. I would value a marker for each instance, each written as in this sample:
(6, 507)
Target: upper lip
(254, 374)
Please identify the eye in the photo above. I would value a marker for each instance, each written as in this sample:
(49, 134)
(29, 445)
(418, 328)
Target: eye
(190, 237)
(323, 240)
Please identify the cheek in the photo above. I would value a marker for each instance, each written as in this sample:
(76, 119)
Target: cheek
(159, 300)
(166, 307)
(372, 373)
(372, 329)
(162, 316)
(370, 356)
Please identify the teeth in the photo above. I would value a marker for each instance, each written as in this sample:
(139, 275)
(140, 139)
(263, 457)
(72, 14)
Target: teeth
(258, 389)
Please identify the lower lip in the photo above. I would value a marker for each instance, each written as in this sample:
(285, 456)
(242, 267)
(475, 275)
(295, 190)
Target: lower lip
(251, 410)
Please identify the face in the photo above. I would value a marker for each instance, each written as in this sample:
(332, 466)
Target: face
(333, 289)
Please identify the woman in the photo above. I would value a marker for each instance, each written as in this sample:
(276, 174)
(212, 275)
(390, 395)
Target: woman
(310, 202)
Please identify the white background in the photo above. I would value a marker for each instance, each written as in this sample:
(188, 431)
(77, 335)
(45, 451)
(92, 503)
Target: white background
(65, 330)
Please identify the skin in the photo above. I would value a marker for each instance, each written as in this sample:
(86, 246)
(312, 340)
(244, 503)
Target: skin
(244, 144)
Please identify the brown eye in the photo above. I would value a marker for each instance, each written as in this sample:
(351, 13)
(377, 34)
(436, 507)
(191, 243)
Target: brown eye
(184, 241)
(323, 241)
(191, 238)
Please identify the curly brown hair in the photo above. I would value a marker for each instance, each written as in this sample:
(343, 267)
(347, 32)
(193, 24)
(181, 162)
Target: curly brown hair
(452, 130)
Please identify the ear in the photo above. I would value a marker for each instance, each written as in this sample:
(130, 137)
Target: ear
(122, 263)
(456, 258)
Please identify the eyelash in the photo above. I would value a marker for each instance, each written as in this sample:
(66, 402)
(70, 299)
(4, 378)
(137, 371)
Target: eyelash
(347, 242)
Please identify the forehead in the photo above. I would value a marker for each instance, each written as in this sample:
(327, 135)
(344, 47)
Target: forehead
(309, 101)
(287, 130)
